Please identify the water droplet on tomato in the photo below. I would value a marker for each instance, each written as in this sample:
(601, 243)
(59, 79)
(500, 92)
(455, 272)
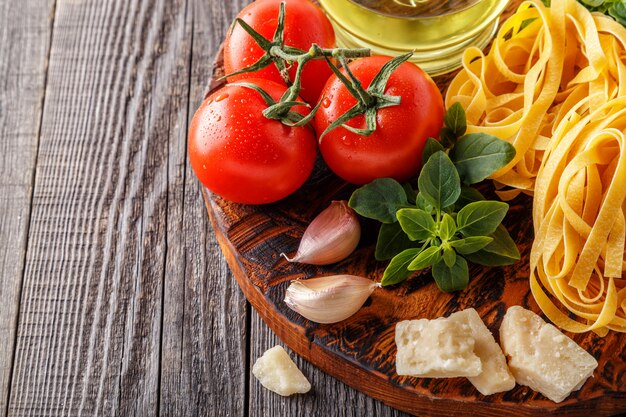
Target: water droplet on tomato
(221, 97)
(326, 102)
(346, 140)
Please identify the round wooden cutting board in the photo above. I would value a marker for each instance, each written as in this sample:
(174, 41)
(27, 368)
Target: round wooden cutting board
(361, 350)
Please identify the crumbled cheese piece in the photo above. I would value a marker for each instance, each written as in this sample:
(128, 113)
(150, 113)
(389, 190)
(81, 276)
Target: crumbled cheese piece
(277, 372)
(495, 376)
(542, 357)
(439, 348)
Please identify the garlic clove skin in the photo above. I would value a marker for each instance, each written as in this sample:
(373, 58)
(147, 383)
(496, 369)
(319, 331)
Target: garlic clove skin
(329, 299)
(331, 237)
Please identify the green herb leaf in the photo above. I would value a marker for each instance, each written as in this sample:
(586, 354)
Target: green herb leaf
(391, 241)
(449, 257)
(468, 195)
(427, 257)
(478, 155)
(421, 203)
(470, 244)
(379, 200)
(501, 251)
(453, 278)
(432, 145)
(397, 271)
(481, 218)
(447, 228)
(618, 12)
(455, 119)
(416, 223)
(592, 3)
(439, 181)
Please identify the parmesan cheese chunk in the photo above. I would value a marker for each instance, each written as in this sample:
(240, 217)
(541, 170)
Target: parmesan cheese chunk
(542, 357)
(277, 372)
(495, 376)
(439, 348)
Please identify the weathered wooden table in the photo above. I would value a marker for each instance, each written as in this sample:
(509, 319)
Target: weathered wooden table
(114, 296)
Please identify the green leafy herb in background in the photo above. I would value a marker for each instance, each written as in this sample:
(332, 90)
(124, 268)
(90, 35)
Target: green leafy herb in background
(614, 8)
(444, 223)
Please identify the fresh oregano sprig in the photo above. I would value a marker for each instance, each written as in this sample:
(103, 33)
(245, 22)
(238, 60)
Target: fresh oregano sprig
(445, 222)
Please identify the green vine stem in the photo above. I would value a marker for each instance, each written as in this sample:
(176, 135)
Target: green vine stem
(284, 56)
(369, 100)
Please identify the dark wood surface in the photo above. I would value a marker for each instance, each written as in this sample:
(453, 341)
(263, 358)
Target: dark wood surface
(114, 296)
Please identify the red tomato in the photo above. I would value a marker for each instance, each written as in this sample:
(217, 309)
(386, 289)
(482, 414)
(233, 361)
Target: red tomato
(305, 24)
(395, 148)
(239, 154)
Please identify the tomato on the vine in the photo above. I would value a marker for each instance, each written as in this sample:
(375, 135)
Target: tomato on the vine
(241, 155)
(305, 24)
(394, 149)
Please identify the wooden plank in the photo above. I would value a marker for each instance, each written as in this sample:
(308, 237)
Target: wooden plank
(25, 33)
(89, 330)
(204, 329)
(328, 396)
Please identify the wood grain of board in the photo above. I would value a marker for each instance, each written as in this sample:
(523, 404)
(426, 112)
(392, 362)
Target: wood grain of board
(88, 340)
(25, 34)
(204, 358)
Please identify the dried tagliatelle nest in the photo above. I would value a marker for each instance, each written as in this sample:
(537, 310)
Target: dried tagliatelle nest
(578, 212)
(552, 85)
(543, 63)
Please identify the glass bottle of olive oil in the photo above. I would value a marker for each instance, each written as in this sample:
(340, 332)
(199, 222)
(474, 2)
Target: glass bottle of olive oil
(438, 31)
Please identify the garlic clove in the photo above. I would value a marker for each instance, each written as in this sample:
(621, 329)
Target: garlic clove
(329, 299)
(331, 237)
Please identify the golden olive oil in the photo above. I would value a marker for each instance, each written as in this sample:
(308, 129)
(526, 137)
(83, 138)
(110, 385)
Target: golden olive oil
(438, 31)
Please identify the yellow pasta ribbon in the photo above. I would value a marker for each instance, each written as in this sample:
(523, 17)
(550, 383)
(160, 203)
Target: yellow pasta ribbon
(577, 257)
(554, 86)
